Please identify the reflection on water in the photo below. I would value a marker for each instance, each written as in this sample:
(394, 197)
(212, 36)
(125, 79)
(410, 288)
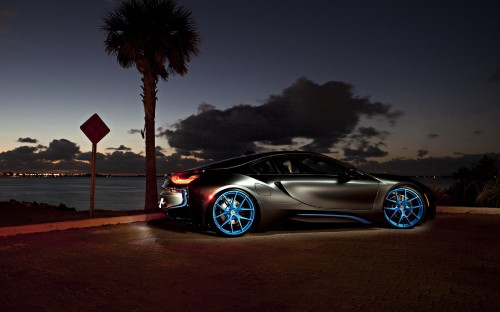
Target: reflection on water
(115, 193)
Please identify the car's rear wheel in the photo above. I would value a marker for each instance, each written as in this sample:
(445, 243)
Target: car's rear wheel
(233, 213)
(403, 207)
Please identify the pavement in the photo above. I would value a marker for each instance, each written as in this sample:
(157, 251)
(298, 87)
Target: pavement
(451, 263)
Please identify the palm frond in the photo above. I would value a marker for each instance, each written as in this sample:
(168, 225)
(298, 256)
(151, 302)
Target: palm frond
(153, 35)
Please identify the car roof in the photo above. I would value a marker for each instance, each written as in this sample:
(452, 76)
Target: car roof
(249, 157)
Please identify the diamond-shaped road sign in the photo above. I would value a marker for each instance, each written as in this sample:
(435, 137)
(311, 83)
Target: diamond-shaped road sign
(95, 129)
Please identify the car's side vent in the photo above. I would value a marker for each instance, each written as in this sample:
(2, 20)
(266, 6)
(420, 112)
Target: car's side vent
(280, 186)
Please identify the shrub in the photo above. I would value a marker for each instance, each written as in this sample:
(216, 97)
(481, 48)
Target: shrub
(490, 194)
(471, 183)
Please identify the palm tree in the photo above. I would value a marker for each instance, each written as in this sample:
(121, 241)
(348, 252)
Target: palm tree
(159, 38)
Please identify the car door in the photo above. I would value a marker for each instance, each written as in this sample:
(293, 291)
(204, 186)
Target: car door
(325, 183)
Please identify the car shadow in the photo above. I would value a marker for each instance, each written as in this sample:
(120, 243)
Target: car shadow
(289, 226)
(173, 225)
(300, 226)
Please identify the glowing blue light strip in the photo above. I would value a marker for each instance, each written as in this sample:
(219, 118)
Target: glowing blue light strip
(334, 216)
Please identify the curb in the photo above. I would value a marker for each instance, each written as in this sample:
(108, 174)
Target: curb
(86, 223)
(473, 210)
(77, 224)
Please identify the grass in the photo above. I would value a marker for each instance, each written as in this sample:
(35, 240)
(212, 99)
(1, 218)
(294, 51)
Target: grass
(489, 196)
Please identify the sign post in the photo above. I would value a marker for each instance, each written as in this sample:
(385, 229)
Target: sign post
(95, 129)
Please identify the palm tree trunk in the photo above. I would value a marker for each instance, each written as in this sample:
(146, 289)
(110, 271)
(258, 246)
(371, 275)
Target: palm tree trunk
(149, 100)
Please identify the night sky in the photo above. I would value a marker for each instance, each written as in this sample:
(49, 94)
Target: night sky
(410, 87)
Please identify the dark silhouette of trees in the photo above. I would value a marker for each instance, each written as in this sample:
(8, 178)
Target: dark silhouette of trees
(159, 38)
(475, 186)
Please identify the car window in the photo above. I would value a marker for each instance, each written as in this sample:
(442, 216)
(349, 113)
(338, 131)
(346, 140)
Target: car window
(288, 165)
(307, 164)
(264, 167)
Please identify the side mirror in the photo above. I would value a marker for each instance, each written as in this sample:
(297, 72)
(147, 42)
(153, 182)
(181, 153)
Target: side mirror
(350, 174)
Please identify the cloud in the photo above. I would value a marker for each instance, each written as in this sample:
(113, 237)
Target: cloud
(134, 131)
(422, 153)
(495, 77)
(360, 155)
(205, 107)
(363, 135)
(5, 11)
(65, 156)
(176, 162)
(431, 166)
(121, 163)
(159, 151)
(27, 140)
(360, 145)
(433, 135)
(60, 150)
(40, 157)
(59, 156)
(370, 132)
(35, 159)
(321, 114)
(120, 148)
(22, 153)
(478, 132)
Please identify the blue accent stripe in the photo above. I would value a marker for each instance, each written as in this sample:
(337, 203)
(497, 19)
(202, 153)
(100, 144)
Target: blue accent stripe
(184, 199)
(331, 215)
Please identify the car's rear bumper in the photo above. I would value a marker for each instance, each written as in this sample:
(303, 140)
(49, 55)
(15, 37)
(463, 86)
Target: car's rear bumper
(174, 202)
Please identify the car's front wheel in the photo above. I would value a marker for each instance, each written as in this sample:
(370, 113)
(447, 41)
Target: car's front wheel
(233, 213)
(403, 207)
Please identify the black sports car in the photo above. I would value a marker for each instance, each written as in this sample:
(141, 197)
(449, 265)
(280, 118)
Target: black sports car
(264, 189)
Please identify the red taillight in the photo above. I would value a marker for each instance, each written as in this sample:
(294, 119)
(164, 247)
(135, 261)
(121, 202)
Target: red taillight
(183, 179)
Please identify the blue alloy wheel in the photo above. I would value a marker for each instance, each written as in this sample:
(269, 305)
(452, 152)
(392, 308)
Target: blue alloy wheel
(403, 207)
(233, 213)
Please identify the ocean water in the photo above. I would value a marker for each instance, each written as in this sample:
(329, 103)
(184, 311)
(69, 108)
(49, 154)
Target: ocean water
(111, 193)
